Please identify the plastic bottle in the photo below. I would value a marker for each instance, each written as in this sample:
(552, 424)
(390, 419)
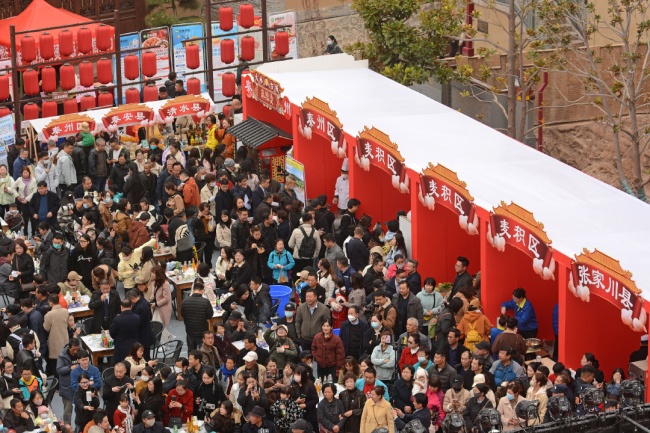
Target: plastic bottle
(329, 378)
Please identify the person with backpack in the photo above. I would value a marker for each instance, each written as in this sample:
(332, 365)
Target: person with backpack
(474, 326)
(305, 242)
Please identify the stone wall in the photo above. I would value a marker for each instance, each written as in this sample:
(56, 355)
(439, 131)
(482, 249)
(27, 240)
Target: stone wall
(312, 35)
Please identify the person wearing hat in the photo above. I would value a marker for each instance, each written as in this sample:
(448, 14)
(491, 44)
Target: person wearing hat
(482, 349)
(307, 361)
(257, 422)
(252, 366)
(289, 320)
(342, 189)
(236, 327)
(250, 345)
(74, 284)
(282, 349)
(301, 426)
(149, 424)
(456, 397)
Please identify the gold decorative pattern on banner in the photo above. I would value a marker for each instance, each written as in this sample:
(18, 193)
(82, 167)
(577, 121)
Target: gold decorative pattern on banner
(520, 214)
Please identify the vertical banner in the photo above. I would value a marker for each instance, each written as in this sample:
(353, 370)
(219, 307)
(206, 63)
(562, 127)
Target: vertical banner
(217, 36)
(151, 38)
(7, 136)
(129, 41)
(297, 170)
(180, 33)
(283, 19)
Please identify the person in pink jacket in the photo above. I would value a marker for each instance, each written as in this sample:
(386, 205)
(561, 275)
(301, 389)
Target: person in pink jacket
(436, 398)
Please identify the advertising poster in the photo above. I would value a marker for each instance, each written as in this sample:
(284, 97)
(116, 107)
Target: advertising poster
(128, 42)
(217, 34)
(7, 136)
(297, 170)
(179, 34)
(151, 38)
(283, 19)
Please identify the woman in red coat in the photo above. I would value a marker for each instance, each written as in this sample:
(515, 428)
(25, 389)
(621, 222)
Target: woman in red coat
(410, 352)
(179, 403)
(328, 352)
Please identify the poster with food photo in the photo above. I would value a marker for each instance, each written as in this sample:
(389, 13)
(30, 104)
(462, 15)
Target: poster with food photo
(158, 38)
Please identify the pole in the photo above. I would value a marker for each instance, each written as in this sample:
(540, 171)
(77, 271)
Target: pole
(118, 56)
(14, 80)
(265, 33)
(208, 47)
(540, 112)
(634, 423)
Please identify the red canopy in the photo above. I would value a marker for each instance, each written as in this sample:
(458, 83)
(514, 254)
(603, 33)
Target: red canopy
(40, 14)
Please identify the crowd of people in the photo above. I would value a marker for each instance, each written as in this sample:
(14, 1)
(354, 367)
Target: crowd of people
(364, 343)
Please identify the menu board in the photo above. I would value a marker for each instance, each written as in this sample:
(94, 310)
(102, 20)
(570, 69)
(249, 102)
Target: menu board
(179, 34)
(152, 38)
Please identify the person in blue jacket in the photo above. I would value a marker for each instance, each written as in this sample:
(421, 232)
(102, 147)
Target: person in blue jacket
(369, 381)
(524, 313)
(85, 367)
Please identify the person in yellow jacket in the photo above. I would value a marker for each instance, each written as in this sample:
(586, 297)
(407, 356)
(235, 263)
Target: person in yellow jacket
(213, 142)
(129, 261)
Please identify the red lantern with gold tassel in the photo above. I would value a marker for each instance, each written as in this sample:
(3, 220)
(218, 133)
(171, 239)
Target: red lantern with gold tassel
(105, 99)
(103, 37)
(68, 80)
(228, 84)
(225, 18)
(149, 67)
(150, 93)
(193, 86)
(282, 43)
(66, 42)
(50, 109)
(86, 74)
(4, 87)
(227, 51)
(132, 95)
(30, 111)
(46, 46)
(247, 48)
(192, 56)
(131, 67)
(28, 49)
(48, 79)
(87, 102)
(30, 82)
(104, 71)
(70, 106)
(84, 40)
(246, 15)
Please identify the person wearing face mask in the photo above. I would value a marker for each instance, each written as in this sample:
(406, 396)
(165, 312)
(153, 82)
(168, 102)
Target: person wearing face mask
(456, 397)
(342, 189)
(40, 412)
(105, 208)
(372, 336)
(146, 375)
(85, 367)
(289, 320)
(352, 333)
(475, 404)
(507, 407)
(149, 424)
(45, 173)
(209, 193)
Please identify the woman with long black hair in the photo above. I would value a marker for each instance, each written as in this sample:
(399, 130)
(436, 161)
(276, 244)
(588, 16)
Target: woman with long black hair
(83, 259)
(135, 187)
(150, 398)
(308, 397)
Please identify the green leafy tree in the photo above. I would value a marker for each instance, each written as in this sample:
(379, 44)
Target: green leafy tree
(159, 15)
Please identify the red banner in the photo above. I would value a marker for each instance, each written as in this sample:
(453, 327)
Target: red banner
(312, 121)
(516, 226)
(265, 90)
(598, 274)
(189, 105)
(374, 147)
(130, 114)
(69, 124)
(439, 185)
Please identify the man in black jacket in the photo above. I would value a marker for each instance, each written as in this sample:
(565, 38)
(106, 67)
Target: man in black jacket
(114, 386)
(257, 423)
(223, 199)
(414, 278)
(106, 306)
(240, 230)
(51, 207)
(149, 424)
(261, 293)
(143, 309)
(13, 154)
(376, 272)
(352, 333)
(80, 162)
(196, 310)
(122, 332)
(421, 413)
(348, 219)
(463, 278)
(17, 419)
(358, 253)
(35, 322)
(260, 192)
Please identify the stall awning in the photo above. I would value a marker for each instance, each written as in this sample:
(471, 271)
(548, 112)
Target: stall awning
(255, 133)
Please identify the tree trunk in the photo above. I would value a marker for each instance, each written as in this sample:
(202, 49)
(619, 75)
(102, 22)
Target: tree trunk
(512, 59)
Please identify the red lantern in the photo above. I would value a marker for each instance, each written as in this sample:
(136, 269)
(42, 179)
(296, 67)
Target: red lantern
(132, 95)
(4, 111)
(70, 106)
(105, 99)
(226, 110)
(193, 86)
(48, 78)
(4, 87)
(28, 49)
(46, 45)
(227, 51)
(247, 48)
(149, 67)
(103, 37)
(68, 80)
(30, 82)
(86, 74)
(66, 42)
(282, 43)
(150, 93)
(225, 18)
(228, 85)
(84, 40)
(246, 15)
(50, 109)
(131, 67)
(87, 102)
(104, 71)
(192, 56)
(30, 111)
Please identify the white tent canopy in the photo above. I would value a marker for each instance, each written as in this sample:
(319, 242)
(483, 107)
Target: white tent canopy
(577, 210)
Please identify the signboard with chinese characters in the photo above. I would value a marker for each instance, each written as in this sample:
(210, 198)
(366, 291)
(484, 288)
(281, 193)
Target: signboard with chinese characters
(265, 90)
(129, 114)
(599, 274)
(514, 225)
(181, 32)
(284, 19)
(68, 124)
(374, 147)
(188, 105)
(317, 117)
(439, 185)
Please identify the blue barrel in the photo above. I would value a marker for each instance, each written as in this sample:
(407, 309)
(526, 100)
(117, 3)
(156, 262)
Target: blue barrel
(336, 331)
(282, 294)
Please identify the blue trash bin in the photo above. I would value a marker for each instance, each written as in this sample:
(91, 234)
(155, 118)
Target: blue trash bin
(282, 294)
(336, 331)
